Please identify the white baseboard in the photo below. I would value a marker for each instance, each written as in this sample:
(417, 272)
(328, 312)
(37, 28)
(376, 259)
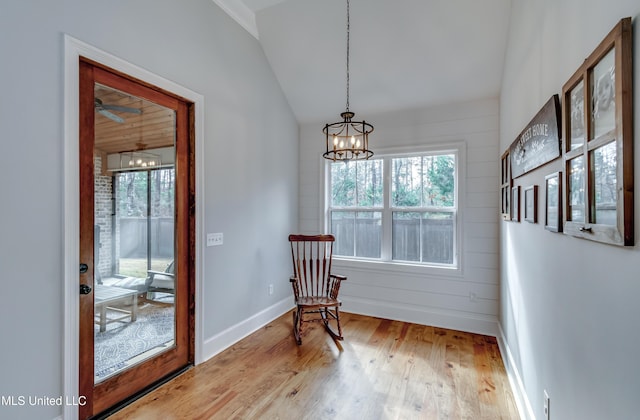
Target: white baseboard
(479, 324)
(517, 386)
(235, 333)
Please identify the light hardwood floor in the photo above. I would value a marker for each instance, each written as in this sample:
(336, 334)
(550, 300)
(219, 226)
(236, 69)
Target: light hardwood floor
(382, 370)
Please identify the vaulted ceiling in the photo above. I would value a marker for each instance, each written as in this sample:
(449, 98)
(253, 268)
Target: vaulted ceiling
(404, 53)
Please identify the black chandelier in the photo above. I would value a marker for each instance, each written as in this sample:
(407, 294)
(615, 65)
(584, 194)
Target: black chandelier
(347, 140)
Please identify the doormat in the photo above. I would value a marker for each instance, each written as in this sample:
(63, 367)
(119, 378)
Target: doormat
(122, 341)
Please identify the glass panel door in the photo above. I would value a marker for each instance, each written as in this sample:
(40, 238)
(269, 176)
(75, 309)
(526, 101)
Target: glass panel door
(136, 236)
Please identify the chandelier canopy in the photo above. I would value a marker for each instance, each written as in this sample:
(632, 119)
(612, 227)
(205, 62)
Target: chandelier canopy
(347, 139)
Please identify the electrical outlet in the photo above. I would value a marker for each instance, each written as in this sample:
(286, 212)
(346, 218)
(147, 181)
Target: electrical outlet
(271, 289)
(546, 405)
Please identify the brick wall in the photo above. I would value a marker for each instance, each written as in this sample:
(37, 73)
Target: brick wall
(103, 201)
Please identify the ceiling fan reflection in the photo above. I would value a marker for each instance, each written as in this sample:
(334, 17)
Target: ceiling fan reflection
(105, 109)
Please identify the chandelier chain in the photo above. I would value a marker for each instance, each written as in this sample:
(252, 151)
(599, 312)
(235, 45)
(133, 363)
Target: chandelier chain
(348, 32)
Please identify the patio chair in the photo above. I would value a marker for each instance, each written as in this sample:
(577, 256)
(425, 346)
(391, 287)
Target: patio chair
(162, 281)
(315, 287)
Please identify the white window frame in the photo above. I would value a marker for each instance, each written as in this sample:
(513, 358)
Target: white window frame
(458, 150)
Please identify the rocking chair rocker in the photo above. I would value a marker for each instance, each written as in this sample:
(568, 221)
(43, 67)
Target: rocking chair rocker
(315, 288)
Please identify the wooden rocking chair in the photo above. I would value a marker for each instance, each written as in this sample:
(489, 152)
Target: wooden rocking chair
(315, 288)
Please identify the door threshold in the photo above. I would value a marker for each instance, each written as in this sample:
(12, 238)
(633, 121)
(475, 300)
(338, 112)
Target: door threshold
(157, 384)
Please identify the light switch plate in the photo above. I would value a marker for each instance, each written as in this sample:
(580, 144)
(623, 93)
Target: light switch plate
(215, 239)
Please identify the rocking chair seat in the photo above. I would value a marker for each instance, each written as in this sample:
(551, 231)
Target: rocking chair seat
(317, 301)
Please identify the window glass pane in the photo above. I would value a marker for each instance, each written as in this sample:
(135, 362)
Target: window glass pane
(131, 224)
(439, 180)
(343, 184)
(427, 181)
(603, 92)
(406, 186)
(368, 234)
(342, 227)
(357, 184)
(604, 161)
(577, 115)
(369, 183)
(576, 189)
(357, 233)
(437, 235)
(423, 237)
(406, 236)
(162, 218)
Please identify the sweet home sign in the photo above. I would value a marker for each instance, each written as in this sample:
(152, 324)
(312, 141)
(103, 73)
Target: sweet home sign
(539, 142)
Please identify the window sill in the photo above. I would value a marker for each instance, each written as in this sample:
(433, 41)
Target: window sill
(395, 267)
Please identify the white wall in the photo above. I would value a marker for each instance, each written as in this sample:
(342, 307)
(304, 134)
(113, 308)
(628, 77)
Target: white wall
(250, 167)
(569, 307)
(432, 297)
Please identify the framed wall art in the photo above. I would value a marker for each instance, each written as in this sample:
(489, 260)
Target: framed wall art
(505, 186)
(553, 202)
(515, 203)
(539, 142)
(531, 204)
(597, 117)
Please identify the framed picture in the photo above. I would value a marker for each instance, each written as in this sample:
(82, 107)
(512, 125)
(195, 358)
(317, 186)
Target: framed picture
(597, 118)
(539, 142)
(531, 204)
(505, 186)
(553, 207)
(515, 203)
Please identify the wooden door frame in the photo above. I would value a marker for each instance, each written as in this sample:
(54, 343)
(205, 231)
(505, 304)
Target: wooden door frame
(74, 49)
(128, 382)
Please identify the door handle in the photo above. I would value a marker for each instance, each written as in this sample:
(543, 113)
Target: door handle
(85, 289)
(83, 268)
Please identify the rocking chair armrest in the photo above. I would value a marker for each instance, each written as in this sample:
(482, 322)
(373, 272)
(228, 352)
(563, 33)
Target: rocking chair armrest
(338, 277)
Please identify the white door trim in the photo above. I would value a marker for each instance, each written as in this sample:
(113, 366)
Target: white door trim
(73, 50)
